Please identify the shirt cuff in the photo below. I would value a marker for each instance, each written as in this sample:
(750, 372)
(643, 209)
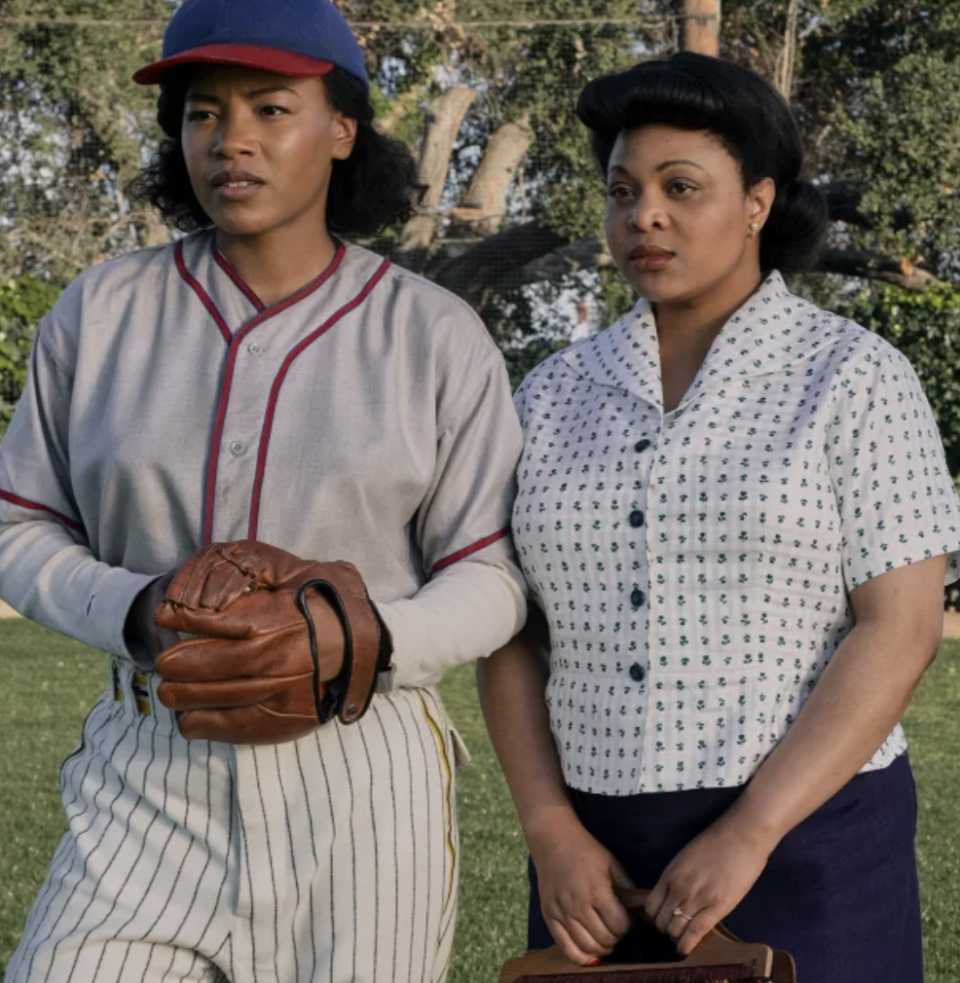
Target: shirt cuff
(109, 605)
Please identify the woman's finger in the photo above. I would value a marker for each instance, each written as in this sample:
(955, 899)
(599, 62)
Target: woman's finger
(596, 927)
(656, 898)
(696, 930)
(672, 902)
(614, 915)
(678, 925)
(567, 946)
(584, 938)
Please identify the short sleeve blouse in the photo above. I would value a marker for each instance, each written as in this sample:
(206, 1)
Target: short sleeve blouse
(695, 566)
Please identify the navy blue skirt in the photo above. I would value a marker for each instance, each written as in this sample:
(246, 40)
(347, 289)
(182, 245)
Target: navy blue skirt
(840, 892)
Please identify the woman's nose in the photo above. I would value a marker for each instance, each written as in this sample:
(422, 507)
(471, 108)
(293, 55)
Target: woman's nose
(648, 213)
(234, 137)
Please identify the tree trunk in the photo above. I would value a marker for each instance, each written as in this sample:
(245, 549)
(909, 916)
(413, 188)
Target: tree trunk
(447, 113)
(485, 203)
(700, 30)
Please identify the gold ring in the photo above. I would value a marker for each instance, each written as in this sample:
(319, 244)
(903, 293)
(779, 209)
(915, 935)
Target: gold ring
(678, 913)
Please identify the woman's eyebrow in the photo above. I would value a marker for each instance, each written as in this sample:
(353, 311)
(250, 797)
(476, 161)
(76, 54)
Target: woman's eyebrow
(270, 89)
(255, 94)
(673, 163)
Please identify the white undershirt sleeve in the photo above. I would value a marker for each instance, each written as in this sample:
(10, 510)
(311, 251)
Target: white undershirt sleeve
(465, 613)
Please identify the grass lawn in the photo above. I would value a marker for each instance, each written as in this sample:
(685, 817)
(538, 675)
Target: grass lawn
(49, 684)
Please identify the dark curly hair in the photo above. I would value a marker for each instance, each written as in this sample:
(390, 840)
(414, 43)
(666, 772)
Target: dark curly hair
(696, 92)
(377, 186)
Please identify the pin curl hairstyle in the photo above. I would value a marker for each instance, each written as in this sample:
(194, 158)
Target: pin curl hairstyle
(743, 111)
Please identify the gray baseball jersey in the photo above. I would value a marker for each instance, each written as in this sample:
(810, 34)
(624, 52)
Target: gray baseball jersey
(366, 418)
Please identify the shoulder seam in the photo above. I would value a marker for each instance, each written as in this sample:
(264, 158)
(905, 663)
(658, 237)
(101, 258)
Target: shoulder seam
(483, 373)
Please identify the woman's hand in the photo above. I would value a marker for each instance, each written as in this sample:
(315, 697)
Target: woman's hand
(577, 878)
(707, 880)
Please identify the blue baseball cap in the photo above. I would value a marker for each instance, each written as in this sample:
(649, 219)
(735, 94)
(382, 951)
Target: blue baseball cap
(289, 37)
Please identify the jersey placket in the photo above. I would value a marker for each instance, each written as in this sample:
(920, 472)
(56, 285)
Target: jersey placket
(255, 356)
(233, 460)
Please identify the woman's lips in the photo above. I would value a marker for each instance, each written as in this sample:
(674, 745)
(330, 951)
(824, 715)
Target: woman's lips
(650, 257)
(236, 184)
(653, 262)
(239, 191)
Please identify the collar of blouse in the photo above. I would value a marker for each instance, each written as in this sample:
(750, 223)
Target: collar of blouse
(773, 330)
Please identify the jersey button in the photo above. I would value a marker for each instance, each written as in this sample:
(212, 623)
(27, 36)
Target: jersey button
(237, 448)
(641, 446)
(637, 597)
(636, 519)
(254, 348)
(637, 673)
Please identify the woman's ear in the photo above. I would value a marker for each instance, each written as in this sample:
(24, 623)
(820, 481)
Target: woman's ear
(759, 202)
(344, 136)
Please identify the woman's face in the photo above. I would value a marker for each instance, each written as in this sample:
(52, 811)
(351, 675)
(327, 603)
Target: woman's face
(678, 219)
(259, 147)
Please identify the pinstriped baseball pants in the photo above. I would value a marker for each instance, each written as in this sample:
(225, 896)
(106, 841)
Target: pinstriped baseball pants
(332, 859)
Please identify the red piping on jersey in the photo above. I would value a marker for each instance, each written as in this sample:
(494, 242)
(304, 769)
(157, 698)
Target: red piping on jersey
(242, 284)
(25, 503)
(480, 544)
(278, 383)
(194, 285)
(236, 342)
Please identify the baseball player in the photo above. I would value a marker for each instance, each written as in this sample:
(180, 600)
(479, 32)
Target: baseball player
(269, 474)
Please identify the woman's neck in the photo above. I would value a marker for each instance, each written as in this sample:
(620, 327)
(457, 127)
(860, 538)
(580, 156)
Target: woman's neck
(278, 263)
(687, 329)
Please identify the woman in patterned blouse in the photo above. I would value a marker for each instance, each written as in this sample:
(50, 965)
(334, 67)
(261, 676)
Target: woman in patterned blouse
(735, 514)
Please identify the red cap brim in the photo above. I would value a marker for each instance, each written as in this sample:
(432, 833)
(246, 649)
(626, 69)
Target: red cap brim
(246, 55)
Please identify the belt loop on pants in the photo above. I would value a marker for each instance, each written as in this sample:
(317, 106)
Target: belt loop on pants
(133, 687)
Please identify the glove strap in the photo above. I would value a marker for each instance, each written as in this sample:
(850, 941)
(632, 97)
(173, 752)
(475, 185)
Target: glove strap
(348, 695)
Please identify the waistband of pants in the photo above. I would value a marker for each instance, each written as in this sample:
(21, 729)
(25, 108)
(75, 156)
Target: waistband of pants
(136, 691)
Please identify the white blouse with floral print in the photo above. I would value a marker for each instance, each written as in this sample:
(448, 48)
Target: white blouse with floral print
(695, 566)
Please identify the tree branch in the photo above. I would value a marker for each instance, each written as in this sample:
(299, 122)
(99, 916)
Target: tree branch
(875, 266)
(700, 30)
(492, 264)
(787, 62)
(531, 253)
(484, 205)
(448, 112)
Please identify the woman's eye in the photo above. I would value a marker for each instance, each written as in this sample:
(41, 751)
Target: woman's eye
(620, 192)
(274, 111)
(199, 115)
(682, 188)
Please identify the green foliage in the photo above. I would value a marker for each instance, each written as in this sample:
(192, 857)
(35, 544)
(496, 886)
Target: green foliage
(926, 328)
(881, 100)
(23, 302)
(616, 296)
(75, 129)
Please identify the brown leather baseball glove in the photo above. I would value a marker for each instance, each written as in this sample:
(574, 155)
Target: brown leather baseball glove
(285, 644)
